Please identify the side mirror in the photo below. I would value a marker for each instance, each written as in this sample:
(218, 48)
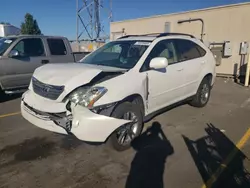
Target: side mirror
(158, 63)
(14, 53)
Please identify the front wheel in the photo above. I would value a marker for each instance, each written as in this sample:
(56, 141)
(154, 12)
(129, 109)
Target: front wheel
(2, 95)
(203, 94)
(121, 138)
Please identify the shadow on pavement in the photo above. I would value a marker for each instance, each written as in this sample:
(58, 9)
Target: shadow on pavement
(5, 98)
(70, 142)
(215, 155)
(147, 168)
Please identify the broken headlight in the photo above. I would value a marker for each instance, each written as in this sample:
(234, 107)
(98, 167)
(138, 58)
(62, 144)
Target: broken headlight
(87, 96)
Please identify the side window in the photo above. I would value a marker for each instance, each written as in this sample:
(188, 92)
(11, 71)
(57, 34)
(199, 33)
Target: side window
(187, 50)
(56, 47)
(201, 50)
(165, 49)
(20, 47)
(30, 47)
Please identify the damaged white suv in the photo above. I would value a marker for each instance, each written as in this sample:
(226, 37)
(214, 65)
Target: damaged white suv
(110, 93)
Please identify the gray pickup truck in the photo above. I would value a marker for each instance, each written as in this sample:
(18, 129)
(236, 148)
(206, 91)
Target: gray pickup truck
(21, 55)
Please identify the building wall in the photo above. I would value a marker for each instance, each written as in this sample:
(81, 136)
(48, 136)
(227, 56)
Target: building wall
(6, 30)
(85, 46)
(228, 23)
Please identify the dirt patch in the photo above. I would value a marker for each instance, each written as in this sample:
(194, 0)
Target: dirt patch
(28, 150)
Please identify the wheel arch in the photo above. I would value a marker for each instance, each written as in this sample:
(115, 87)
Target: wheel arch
(209, 76)
(135, 99)
(1, 87)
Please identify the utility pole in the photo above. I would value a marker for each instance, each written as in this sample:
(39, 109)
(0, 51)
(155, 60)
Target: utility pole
(77, 26)
(90, 18)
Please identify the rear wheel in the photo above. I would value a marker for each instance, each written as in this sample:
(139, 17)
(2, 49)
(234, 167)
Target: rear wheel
(121, 138)
(203, 94)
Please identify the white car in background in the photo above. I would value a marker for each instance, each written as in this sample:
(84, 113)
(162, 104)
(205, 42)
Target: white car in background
(110, 93)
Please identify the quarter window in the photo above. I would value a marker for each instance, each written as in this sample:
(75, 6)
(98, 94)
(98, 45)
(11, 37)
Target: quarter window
(30, 47)
(187, 50)
(57, 47)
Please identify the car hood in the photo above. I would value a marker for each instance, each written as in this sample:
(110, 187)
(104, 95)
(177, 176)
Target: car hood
(71, 75)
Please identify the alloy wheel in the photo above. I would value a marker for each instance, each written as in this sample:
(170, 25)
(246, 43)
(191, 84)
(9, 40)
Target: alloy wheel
(128, 131)
(204, 93)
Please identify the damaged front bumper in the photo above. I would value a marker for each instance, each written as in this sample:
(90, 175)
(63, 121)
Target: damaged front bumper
(83, 123)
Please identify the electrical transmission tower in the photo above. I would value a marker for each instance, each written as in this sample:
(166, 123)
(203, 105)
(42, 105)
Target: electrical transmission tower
(91, 17)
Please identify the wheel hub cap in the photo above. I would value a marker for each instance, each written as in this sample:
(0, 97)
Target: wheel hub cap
(204, 93)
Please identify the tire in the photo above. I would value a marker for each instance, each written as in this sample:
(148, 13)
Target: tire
(2, 95)
(202, 96)
(120, 111)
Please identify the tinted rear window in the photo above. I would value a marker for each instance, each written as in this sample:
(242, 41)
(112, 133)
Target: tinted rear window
(57, 47)
(187, 50)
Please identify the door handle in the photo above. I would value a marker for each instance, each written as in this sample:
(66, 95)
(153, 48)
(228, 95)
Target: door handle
(181, 69)
(45, 61)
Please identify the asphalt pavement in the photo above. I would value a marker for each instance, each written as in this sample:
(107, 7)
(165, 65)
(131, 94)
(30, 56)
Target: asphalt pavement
(183, 147)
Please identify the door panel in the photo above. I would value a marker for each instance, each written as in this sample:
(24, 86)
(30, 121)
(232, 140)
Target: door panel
(191, 56)
(166, 86)
(58, 51)
(19, 69)
(192, 75)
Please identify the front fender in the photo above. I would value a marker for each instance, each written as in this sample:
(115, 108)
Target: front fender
(123, 86)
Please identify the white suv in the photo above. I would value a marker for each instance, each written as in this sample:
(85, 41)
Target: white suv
(110, 93)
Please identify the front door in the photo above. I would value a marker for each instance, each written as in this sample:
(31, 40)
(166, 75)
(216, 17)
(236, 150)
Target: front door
(165, 86)
(18, 70)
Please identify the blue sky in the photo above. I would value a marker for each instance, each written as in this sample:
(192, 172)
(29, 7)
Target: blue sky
(58, 17)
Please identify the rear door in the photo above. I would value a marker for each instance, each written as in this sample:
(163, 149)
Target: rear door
(59, 51)
(191, 55)
(18, 70)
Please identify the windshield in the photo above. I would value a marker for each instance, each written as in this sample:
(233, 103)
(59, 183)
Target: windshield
(5, 43)
(121, 54)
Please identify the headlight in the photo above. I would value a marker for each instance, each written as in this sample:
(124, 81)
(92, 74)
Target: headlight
(87, 96)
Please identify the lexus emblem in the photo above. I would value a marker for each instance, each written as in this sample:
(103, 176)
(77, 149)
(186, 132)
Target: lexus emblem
(46, 89)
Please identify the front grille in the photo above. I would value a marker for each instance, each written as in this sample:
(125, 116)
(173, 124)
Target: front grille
(46, 90)
(44, 115)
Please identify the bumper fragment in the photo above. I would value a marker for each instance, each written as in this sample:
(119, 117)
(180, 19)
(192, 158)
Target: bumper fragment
(85, 125)
(92, 127)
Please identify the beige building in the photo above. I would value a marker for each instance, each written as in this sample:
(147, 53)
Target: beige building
(229, 23)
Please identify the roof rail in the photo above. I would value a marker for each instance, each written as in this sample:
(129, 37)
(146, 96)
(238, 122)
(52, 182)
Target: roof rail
(142, 35)
(126, 36)
(157, 35)
(170, 34)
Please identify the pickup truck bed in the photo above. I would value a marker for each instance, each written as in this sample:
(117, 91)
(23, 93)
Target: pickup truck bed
(79, 55)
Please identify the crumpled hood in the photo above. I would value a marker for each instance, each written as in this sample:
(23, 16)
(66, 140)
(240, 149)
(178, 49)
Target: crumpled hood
(70, 75)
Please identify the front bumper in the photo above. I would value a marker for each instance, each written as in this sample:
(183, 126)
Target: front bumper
(84, 124)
